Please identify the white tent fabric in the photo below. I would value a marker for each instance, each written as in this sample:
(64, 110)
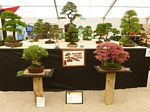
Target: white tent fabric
(88, 8)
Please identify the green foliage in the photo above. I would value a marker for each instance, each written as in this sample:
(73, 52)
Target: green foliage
(70, 10)
(34, 53)
(125, 41)
(72, 34)
(9, 39)
(87, 32)
(115, 31)
(116, 38)
(130, 23)
(12, 20)
(55, 31)
(103, 29)
(38, 27)
(20, 73)
(45, 28)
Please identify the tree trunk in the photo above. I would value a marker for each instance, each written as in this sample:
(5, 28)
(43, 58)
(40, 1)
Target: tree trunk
(14, 36)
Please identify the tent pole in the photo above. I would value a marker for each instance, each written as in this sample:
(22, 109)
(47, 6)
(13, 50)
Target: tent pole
(56, 9)
(112, 4)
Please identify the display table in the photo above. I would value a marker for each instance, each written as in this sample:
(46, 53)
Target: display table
(110, 82)
(38, 80)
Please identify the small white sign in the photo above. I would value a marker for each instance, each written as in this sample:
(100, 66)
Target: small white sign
(74, 97)
(147, 52)
(40, 101)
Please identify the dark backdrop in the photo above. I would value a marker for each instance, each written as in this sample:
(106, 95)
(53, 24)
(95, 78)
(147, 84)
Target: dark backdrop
(79, 78)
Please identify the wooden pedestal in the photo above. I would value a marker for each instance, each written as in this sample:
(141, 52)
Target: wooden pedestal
(110, 82)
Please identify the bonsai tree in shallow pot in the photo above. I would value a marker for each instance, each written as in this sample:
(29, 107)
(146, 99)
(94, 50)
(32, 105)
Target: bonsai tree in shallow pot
(35, 53)
(12, 20)
(100, 32)
(72, 33)
(37, 30)
(87, 33)
(130, 25)
(54, 33)
(70, 11)
(111, 55)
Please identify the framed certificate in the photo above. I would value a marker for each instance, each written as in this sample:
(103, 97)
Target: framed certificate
(74, 97)
(73, 57)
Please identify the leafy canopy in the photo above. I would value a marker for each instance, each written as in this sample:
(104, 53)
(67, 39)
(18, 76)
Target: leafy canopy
(12, 20)
(70, 10)
(130, 23)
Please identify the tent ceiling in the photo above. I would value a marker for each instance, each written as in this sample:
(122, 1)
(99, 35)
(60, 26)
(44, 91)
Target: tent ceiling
(88, 8)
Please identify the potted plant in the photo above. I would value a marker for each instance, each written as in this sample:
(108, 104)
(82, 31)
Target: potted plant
(115, 36)
(12, 20)
(54, 33)
(130, 25)
(70, 11)
(100, 31)
(111, 55)
(72, 33)
(87, 33)
(35, 53)
(126, 42)
(37, 29)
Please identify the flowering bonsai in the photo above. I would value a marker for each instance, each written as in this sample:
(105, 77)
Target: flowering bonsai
(111, 55)
(35, 53)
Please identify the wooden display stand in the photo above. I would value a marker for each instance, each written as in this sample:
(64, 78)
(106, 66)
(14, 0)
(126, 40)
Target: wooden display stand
(38, 81)
(110, 82)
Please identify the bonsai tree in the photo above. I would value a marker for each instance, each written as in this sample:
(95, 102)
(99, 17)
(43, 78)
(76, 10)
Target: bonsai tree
(115, 34)
(107, 28)
(70, 10)
(38, 28)
(45, 30)
(12, 20)
(72, 34)
(35, 53)
(100, 31)
(115, 31)
(54, 33)
(111, 55)
(130, 23)
(87, 33)
(126, 42)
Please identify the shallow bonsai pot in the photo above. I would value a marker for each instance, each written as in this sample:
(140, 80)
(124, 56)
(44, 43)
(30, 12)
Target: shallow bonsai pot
(36, 70)
(72, 45)
(87, 39)
(15, 44)
(98, 42)
(49, 42)
(129, 45)
(107, 68)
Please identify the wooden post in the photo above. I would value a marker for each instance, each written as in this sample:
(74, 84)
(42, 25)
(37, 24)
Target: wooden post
(38, 86)
(109, 88)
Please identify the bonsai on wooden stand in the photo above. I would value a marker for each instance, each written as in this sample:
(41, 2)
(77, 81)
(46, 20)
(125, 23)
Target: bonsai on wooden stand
(35, 53)
(12, 20)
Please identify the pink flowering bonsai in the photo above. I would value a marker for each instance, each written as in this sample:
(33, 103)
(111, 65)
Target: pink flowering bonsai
(111, 55)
